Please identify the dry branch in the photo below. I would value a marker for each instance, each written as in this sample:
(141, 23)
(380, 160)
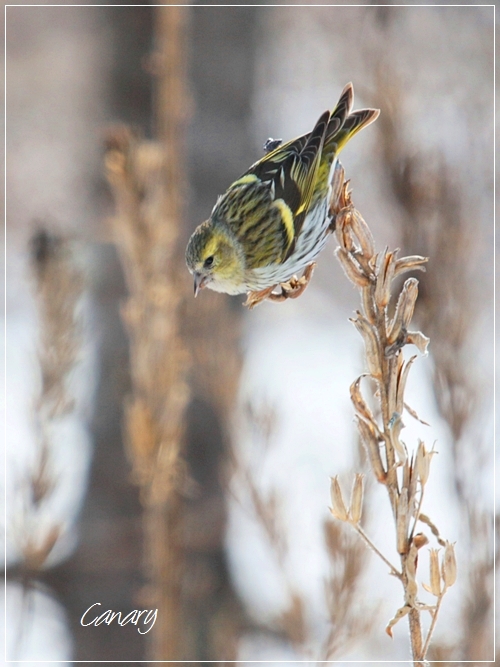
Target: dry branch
(385, 335)
(438, 217)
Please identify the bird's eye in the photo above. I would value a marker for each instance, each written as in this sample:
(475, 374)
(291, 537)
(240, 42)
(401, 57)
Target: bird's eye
(208, 262)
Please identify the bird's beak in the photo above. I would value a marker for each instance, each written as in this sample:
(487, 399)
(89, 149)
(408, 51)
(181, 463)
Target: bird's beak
(199, 282)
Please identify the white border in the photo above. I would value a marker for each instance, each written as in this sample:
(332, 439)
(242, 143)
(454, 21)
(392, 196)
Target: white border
(5, 335)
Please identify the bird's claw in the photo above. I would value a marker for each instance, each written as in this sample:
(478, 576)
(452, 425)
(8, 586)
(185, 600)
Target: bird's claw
(289, 290)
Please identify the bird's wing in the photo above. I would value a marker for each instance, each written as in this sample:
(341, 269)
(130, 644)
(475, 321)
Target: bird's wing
(290, 172)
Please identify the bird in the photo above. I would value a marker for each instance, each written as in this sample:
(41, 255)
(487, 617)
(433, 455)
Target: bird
(275, 219)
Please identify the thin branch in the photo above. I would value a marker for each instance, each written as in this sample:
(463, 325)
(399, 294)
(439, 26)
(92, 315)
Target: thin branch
(365, 537)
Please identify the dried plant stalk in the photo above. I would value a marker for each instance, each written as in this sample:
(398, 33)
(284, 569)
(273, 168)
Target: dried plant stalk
(148, 183)
(435, 213)
(59, 286)
(154, 412)
(177, 351)
(404, 476)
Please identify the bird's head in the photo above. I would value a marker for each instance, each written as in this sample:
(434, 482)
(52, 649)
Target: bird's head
(215, 258)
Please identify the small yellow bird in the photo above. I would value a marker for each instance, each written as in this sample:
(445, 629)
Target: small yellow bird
(275, 219)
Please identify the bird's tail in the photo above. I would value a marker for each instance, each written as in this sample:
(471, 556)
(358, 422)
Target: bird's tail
(343, 124)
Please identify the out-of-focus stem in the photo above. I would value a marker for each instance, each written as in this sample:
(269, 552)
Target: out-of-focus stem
(148, 180)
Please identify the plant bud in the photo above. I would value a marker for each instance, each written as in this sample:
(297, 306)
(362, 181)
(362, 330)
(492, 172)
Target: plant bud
(352, 270)
(338, 508)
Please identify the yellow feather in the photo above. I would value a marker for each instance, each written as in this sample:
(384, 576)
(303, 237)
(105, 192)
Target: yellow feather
(287, 218)
(249, 178)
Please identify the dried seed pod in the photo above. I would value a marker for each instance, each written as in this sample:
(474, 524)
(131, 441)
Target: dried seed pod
(351, 268)
(385, 275)
(435, 577)
(338, 186)
(410, 483)
(371, 344)
(401, 383)
(394, 325)
(396, 425)
(410, 263)
(409, 294)
(420, 540)
(343, 229)
(423, 462)
(369, 438)
(363, 234)
(396, 368)
(404, 310)
(449, 566)
(359, 402)
(356, 508)
(338, 508)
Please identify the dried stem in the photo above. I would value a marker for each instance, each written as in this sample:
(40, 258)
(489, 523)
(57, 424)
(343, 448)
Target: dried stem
(435, 215)
(433, 623)
(58, 289)
(385, 334)
(365, 537)
(148, 183)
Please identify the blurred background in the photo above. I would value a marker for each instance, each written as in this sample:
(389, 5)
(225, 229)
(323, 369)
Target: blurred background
(171, 454)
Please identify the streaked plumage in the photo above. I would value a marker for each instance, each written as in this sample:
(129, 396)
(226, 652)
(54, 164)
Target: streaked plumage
(274, 220)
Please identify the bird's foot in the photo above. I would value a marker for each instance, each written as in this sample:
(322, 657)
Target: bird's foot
(292, 289)
(254, 298)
